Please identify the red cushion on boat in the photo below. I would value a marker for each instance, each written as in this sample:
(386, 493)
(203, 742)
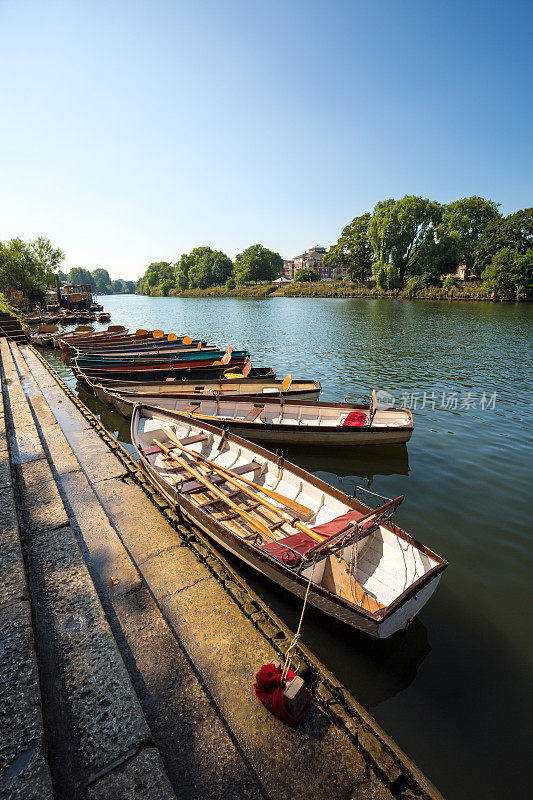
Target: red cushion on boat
(355, 419)
(338, 524)
(300, 542)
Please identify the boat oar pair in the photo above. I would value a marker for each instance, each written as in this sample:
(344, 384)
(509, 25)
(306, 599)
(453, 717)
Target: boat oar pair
(233, 477)
(295, 523)
(254, 523)
(361, 596)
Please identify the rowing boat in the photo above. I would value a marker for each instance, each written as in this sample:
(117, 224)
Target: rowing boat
(202, 357)
(138, 348)
(159, 375)
(358, 565)
(227, 388)
(286, 421)
(61, 340)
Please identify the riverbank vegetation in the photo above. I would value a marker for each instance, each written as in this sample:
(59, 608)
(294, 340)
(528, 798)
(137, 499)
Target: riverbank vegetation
(29, 268)
(99, 280)
(206, 269)
(450, 290)
(413, 247)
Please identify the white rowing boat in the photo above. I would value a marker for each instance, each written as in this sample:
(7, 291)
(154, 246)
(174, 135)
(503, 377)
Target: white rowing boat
(285, 420)
(361, 567)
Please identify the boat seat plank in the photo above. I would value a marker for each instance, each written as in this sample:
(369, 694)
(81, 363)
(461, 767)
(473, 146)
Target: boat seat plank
(199, 437)
(339, 524)
(190, 408)
(254, 413)
(194, 485)
(149, 451)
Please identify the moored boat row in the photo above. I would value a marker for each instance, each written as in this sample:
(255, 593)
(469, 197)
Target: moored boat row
(197, 411)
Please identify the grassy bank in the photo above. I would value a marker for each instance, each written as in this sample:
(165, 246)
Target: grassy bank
(473, 290)
(223, 291)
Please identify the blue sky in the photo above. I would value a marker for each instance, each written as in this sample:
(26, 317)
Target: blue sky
(134, 131)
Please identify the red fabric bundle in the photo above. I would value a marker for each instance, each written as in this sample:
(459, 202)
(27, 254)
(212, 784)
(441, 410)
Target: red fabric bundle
(355, 419)
(270, 692)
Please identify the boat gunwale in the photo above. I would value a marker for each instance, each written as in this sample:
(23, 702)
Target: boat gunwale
(282, 402)
(379, 617)
(314, 385)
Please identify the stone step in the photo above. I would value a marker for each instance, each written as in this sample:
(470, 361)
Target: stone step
(97, 734)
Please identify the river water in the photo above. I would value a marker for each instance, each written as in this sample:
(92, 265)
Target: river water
(455, 689)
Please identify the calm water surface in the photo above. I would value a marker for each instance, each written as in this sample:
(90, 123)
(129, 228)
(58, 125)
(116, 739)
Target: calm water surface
(455, 689)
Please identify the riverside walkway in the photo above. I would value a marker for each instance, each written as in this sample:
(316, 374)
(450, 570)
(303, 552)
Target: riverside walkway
(128, 647)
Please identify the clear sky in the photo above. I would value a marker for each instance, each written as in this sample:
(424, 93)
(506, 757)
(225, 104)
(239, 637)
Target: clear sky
(131, 132)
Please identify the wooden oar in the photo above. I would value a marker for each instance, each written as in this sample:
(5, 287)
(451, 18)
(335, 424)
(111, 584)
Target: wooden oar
(259, 526)
(361, 596)
(233, 477)
(197, 415)
(293, 522)
(286, 385)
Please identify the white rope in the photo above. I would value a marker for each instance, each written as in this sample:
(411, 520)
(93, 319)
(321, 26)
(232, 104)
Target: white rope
(294, 641)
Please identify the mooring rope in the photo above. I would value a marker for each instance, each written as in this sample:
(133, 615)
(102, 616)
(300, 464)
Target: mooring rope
(294, 641)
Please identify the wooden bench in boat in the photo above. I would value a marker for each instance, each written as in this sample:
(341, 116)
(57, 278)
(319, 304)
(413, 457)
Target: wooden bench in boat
(193, 485)
(149, 451)
(256, 411)
(301, 542)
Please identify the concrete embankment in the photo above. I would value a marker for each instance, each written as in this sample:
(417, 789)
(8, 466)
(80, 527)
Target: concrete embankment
(146, 641)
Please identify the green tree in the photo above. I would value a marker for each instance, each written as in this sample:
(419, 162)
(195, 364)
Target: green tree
(131, 287)
(398, 232)
(307, 276)
(468, 218)
(182, 270)
(160, 275)
(353, 250)
(46, 255)
(222, 268)
(257, 263)
(510, 273)
(25, 269)
(101, 280)
(438, 257)
(514, 231)
(80, 276)
(205, 267)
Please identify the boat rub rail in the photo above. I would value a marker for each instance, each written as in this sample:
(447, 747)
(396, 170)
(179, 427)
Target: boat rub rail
(382, 754)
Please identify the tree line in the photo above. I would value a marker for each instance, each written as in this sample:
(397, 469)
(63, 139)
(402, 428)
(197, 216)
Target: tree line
(204, 267)
(99, 281)
(412, 242)
(29, 268)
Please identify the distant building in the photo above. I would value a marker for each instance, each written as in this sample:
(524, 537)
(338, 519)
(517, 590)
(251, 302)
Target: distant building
(288, 269)
(462, 274)
(314, 259)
